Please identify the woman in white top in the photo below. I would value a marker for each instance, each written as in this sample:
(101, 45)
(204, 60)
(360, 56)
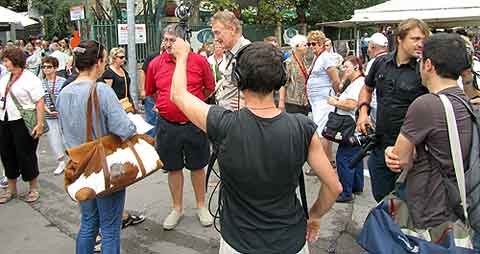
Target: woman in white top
(323, 81)
(17, 146)
(346, 104)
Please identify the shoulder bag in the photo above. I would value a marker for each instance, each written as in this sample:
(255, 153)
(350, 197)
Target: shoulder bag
(125, 102)
(339, 128)
(107, 164)
(29, 116)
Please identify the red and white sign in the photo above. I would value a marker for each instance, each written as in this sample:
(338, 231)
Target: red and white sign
(140, 34)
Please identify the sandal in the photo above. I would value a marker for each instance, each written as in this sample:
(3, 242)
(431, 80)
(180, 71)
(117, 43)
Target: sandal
(98, 247)
(32, 196)
(132, 220)
(7, 196)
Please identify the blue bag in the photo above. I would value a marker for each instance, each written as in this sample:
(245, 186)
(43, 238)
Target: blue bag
(380, 234)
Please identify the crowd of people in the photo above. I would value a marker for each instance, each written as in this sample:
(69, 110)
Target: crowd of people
(261, 113)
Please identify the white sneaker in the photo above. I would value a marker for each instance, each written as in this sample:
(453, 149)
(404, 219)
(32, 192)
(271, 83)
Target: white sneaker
(204, 217)
(172, 220)
(3, 182)
(60, 168)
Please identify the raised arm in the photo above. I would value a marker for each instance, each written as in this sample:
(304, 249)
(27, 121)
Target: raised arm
(195, 109)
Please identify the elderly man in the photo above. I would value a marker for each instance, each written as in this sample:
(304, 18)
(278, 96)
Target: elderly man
(180, 143)
(227, 30)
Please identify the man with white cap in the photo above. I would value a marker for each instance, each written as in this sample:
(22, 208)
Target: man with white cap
(377, 46)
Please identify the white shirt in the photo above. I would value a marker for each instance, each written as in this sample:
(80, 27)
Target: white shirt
(27, 89)
(351, 93)
(62, 59)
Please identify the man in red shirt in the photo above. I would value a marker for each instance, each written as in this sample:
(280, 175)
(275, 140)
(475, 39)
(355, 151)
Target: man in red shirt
(179, 143)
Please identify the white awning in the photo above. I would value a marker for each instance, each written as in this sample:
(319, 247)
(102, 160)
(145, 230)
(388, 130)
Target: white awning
(9, 16)
(446, 13)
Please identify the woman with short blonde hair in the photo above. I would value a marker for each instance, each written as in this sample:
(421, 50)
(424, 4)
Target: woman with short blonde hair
(323, 81)
(114, 52)
(116, 76)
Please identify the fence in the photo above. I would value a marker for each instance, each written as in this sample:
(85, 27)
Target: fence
(107, 33)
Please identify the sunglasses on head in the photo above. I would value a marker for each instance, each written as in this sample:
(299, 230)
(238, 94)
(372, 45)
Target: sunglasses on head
(47, 67)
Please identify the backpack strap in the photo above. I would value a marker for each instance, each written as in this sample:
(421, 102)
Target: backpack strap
(301, 181)
(303, 194)
(456, 150)
(211, 162)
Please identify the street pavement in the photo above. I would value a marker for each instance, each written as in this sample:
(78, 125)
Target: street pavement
(51, 224)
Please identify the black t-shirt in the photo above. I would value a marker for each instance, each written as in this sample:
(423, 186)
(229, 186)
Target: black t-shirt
(148, 60)
(261, 160)
(118, 84)
(397, 87)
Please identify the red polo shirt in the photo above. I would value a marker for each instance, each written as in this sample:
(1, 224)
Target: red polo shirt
(159, 80)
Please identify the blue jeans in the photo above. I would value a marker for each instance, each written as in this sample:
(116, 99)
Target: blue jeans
(150, 116)
(104, 213)
(476, 242)
(383, 180)
(351, 178)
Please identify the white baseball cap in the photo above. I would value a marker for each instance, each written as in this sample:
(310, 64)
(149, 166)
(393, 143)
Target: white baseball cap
(379, 39)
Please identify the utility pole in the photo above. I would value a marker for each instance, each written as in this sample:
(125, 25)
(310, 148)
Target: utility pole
(132, 55)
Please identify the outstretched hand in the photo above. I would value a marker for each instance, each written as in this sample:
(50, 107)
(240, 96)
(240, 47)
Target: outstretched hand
(180, 49)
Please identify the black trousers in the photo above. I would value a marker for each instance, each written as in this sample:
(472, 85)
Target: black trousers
(18, 150)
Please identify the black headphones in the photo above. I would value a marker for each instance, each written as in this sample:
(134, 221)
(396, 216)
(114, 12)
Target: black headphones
(242, 81)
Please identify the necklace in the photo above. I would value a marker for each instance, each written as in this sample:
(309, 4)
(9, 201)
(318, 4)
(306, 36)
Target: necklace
(265, 108)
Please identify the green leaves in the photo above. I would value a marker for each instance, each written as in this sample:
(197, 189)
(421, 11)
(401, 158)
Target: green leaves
(56, 15)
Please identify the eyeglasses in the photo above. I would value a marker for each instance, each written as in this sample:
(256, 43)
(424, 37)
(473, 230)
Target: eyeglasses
(311, 44)
(121, 57)
(47, 67)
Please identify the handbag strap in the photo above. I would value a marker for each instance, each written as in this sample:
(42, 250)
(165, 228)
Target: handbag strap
(93, 99)
(17, 104)
(456, 150)
(126, 83)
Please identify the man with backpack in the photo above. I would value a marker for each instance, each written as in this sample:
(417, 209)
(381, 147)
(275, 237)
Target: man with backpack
(423, 146)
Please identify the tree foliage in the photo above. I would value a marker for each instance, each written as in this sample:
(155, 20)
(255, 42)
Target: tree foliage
(15, 5)
(335, 10)
(56, 16)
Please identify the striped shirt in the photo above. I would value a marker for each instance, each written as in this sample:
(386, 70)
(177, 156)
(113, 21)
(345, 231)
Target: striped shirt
(52, 90)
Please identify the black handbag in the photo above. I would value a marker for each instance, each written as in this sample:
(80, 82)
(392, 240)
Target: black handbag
(339, 128)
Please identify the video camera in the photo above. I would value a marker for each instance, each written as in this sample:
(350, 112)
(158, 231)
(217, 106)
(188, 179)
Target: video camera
(367, 142)
(183, 13)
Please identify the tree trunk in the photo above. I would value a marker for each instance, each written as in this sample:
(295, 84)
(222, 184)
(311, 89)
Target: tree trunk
(195, 19)
(302, 19)
(278, 33)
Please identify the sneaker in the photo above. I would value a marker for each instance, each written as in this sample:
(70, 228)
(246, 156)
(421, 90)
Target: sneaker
(172, 220)
(3, 182)
(205, 217)
(60, 168)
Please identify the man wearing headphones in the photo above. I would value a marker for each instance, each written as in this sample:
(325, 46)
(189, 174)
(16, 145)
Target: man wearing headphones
(261, 154)
(227, 30)
(180, 143)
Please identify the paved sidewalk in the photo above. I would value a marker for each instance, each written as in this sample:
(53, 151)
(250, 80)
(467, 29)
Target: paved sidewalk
(51, 224)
